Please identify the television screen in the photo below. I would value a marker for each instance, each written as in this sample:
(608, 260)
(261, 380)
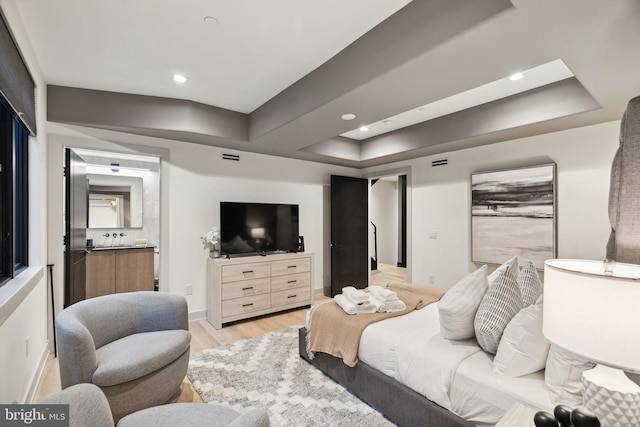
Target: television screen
(249, 228)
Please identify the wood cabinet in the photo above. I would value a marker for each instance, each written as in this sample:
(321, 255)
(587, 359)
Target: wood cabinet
(111, 271)
(244, 287)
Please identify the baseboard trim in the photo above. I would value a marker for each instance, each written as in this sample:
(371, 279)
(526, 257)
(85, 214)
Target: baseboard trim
(197, 316)
(37, 377)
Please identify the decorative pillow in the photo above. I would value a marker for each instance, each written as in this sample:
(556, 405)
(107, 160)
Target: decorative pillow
(563, 376)
(458, 306)
(530, 284)
(510, 265)
(523, 349)
(500, 303)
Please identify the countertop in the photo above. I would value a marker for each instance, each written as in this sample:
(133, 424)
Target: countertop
(112, 248)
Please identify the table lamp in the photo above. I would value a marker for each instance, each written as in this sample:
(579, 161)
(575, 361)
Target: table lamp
(592, 309)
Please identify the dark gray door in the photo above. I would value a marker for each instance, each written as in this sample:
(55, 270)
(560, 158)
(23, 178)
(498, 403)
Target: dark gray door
(76, 214)
(349, 233)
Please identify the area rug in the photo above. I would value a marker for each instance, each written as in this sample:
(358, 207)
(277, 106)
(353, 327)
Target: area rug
(268, 372)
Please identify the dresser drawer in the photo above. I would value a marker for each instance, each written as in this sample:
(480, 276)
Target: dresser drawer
(234, 307)
(234, 273)
(289, 281)
(298, 265)
(246, 288)
(291, 296)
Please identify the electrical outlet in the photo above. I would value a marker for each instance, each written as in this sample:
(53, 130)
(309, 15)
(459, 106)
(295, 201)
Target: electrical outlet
(432, 279)
(188, 289)
(26, 347)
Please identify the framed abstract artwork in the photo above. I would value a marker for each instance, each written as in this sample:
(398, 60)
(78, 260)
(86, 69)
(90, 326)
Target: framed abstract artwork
(513, 213)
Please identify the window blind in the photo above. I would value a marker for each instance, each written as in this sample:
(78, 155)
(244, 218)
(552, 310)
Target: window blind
(16, 83)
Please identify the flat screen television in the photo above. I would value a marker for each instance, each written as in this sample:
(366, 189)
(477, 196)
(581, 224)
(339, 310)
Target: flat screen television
(250, 228)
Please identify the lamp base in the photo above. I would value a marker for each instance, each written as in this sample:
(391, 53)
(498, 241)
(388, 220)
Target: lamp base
(611, 396)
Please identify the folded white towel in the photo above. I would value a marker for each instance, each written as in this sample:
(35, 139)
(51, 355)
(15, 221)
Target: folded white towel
(357, 296)
(384, 295)
(351, 308)
(387, 307)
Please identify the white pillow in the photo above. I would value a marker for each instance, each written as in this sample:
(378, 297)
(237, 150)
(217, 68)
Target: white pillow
(510, 265)
(500, 303)
(563, 376)
(530, 284)
(523, 349)
(458, 306)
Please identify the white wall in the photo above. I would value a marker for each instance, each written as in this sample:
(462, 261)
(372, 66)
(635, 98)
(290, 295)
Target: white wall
(198, 185)
(24, 300)
(383, 212)
(441, 197)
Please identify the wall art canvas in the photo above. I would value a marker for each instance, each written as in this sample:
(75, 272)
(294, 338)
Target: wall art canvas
(513, 214)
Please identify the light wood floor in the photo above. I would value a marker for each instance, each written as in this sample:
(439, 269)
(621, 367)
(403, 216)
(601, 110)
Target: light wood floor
(204, 336)
(387, 273)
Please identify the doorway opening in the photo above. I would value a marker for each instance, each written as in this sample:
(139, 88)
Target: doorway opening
(388, 228)
(112, 201)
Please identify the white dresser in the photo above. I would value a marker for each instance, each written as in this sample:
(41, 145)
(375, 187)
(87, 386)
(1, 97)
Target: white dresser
(243, 287)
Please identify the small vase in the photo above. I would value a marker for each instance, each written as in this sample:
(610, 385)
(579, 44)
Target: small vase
(214, 252)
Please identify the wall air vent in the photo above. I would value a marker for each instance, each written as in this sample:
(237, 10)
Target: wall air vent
(441, 162)
(234, 157)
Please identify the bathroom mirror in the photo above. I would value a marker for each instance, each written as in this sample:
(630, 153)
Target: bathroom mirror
(115, 201)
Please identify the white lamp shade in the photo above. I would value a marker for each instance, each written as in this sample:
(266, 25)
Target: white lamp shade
(591, 314)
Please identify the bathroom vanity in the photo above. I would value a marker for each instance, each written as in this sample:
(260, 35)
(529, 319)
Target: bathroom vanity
(117, 269)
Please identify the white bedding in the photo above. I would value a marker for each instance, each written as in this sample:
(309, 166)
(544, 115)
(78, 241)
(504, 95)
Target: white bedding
(455, 374)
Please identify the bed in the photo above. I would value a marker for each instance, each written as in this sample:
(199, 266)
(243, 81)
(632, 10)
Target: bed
(409, 372)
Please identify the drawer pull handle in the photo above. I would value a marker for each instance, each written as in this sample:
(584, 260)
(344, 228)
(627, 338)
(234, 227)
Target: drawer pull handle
(292, 266)
(292, 281)
(247, 305)
(247, 271)
(248, 288)
(292, 296)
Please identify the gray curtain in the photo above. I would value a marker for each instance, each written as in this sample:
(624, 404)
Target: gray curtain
(624, 193)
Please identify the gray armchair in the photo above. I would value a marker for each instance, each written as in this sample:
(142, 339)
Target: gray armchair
(134, 346)
(88, 406)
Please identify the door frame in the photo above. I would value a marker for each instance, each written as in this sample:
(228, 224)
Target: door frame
(397, 172)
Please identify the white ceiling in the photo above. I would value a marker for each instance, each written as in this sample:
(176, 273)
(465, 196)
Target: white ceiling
(250, 52)
(290, 69)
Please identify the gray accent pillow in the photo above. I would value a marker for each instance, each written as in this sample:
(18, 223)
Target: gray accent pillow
(530, 284)
(509, 265)
(499, 305)
(458, 306)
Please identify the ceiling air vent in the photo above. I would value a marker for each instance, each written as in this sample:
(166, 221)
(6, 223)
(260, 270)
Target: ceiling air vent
(234, 157)
(441, 162)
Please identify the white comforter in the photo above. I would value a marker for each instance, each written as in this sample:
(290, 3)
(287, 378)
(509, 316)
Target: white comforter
(456, 375)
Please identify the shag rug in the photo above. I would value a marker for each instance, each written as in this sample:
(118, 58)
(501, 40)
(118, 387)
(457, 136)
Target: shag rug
(268, 372)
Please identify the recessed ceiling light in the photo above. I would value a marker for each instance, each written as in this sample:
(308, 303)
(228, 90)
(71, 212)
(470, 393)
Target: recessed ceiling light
(179, 78)
(210, 20)
(348, 116)
(363, 128)
(516, 76)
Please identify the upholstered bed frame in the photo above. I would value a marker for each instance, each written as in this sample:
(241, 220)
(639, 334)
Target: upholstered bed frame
(394, 400)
